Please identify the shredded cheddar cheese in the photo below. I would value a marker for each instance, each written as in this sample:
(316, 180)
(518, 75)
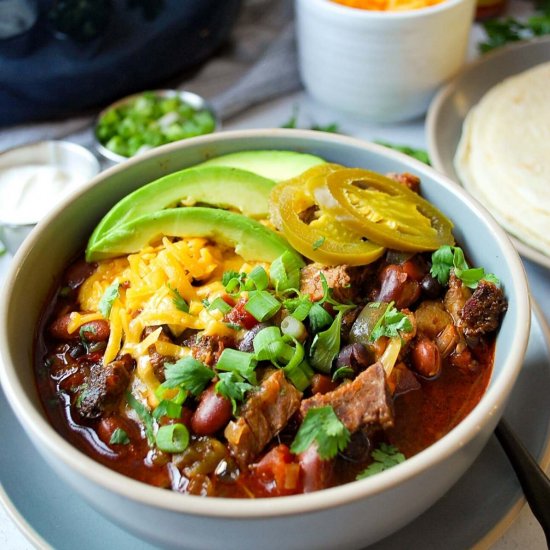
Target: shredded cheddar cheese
(149, 281)
(388, 5)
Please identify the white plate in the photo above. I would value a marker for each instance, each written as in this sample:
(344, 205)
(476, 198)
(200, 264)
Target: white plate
(451, 105)
(481, 505)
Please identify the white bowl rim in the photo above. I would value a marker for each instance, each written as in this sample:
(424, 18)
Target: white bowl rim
(342, 10)
(490, 405)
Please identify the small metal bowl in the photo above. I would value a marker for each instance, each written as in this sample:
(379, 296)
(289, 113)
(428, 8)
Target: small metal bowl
(70, 158)
(196, 101)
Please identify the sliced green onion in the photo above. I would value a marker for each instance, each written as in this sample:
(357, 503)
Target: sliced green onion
(179, 398)
(294, 328)
(167, 408)
(298, 370)
(265, 337)
(240, 362)
(262, 305)
(285, 271)
(173, 438)
(221, 305)
(257, 279)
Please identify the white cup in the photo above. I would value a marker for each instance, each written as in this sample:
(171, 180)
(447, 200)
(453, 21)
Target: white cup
(383, 66)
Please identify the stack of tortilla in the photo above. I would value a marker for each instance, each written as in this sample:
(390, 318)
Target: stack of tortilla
(503, 158)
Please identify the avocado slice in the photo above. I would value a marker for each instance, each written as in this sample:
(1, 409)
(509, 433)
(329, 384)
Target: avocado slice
(219, 186)
(273, 164)
(249, 238)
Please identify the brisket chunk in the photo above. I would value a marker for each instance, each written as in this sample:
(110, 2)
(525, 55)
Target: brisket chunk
(263, 416)
(365, 402)
(344, 280)
(104, 387)
(482, 311)
(208, 349)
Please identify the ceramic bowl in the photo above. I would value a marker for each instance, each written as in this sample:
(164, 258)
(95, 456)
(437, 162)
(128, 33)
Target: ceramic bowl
(196, 101)
(349, 516)
(75, 165)
(383, 66)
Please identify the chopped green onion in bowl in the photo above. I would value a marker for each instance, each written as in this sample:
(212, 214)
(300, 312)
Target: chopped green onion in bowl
(146, 120)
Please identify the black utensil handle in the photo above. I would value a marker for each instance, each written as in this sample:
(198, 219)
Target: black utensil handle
(534, 482)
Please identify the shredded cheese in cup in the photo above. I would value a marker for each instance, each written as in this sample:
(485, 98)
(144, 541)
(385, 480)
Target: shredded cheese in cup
(388, 5)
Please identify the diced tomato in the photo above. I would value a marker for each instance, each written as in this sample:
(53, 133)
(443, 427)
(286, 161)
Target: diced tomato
(278, 472)
(239, 316)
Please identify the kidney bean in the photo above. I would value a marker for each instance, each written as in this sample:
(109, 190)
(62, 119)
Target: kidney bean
(95, 331)
(398, 286)
(78, 272)
(58, 328)
(355, 356)
(426, 358)
(212, 414)
(316, 473)
(107, 426)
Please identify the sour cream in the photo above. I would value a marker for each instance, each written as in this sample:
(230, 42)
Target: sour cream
(28, 192)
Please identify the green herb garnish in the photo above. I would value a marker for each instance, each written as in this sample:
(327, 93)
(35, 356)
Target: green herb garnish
(109, 296)
(386, 456)
(232, 386)
(390, 324)
(173, 438)
(188, 374)
(504, 31)
(178, 300)
(318, 243)
(262, 305)
(447, 258)
(144, 415)
(326, 345)
(322, 427)
(119, 437)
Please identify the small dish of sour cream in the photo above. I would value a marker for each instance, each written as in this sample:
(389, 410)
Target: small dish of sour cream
(33, 179)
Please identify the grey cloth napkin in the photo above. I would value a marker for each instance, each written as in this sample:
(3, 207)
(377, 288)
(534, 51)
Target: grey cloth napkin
(260, 66)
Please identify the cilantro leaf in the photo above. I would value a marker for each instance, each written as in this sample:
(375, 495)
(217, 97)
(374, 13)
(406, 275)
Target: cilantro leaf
(109, 296)
(3, 249)
(322, 427)
(144, 415)
(119, 437)
(232, 386)
(318, 243)
(233, 281)
(390, 324)
(326, 345)
(188, 374)
(385, 456)
(448, 258)
(178, 300)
